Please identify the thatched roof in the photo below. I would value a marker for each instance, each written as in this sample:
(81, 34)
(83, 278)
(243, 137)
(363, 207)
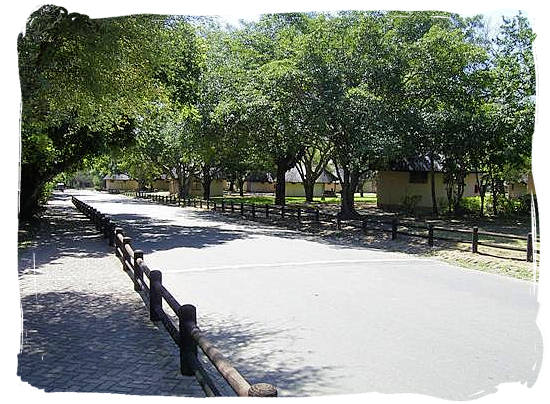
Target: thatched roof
(119, 177)
(420, 163)
(292, 176)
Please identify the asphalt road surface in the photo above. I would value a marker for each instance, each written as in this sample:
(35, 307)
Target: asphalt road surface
(319, 318)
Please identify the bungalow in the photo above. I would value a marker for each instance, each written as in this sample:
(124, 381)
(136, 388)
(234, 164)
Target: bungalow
(523, 186)
(165, 183)
(265, 183)
(216, 187)
(120, 182)
(295, 187)
(410, 178)
(259, 182)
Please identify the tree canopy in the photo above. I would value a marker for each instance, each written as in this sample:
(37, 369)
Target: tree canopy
(355, 90)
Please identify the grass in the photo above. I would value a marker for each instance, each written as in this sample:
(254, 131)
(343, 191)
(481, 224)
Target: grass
(368, 198)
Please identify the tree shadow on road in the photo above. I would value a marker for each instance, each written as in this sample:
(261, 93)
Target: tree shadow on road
(64, 232)
(150, 234)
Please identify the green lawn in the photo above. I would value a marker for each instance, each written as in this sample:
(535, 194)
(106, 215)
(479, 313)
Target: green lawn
(294, 200)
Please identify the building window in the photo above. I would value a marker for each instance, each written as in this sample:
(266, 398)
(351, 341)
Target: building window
(418, 177)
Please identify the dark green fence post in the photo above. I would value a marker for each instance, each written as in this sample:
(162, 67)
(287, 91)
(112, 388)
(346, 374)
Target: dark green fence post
(155, 297)
(431, 235)
(266, 210)
(187, 316)
(475, 238)
(242, 209)
(253, 211)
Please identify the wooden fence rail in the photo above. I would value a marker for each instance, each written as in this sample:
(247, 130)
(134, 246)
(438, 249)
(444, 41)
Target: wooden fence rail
(428, 231)
(185, 332)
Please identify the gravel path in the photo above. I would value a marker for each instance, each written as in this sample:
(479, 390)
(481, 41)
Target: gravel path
(84, 328)
(315, 317)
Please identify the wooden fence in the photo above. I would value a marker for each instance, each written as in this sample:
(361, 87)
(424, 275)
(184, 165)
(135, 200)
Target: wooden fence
(396, 227)
(185, 332)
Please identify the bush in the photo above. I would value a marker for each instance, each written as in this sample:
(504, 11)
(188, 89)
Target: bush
(470, 204)
(410, 202)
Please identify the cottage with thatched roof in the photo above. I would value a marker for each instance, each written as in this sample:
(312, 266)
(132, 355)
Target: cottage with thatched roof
(409, 179)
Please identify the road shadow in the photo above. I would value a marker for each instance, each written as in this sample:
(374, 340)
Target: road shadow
(151, 234)
(83, 342)
(63, 232)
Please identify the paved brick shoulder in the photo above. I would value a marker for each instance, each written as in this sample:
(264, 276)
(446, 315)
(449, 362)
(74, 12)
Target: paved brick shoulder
(84, 328)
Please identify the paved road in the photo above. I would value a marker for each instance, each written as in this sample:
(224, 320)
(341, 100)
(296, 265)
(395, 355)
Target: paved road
(320, 318)
(84, 328)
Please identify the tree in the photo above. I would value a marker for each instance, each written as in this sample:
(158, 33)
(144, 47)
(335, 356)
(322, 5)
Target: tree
(353, 72)
(84, 84)
(273, 97)
(437, 86)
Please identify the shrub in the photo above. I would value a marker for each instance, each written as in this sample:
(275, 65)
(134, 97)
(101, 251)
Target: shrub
(470, 204)
(410, 202)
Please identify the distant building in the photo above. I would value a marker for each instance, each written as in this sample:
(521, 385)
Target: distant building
(120, 182)
(523, 186)
(166, 183)
(411, 178)
(265, 182)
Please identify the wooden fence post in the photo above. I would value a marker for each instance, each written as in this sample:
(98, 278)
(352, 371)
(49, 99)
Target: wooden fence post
(111, 233)
(187, 316)
(529, 247)
(106, 226)
(338, 222)
(364, 226)
(200, 203)
(266, 210)
(194, 203)
(232, 207)
(242, 209)
(208, 204)
(282, 211)
(155, 298)
(431, 235)
(316, 214)
(262, 390)
(253, 211)
(299, 216)
(138, 274)
(118, 231)
(223, 206)
(394, 229)
(475, 238)
(125, 255)
(214, 206)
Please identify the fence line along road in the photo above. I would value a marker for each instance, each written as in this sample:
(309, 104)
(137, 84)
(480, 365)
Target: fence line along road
(395, 227)
(186, 334)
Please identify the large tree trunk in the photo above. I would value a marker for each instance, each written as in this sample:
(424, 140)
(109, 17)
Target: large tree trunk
(309, 188)
(347, 202)
(206, 181)
(240, 184)
(432, 181)
(282, 168)
(31, 191)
